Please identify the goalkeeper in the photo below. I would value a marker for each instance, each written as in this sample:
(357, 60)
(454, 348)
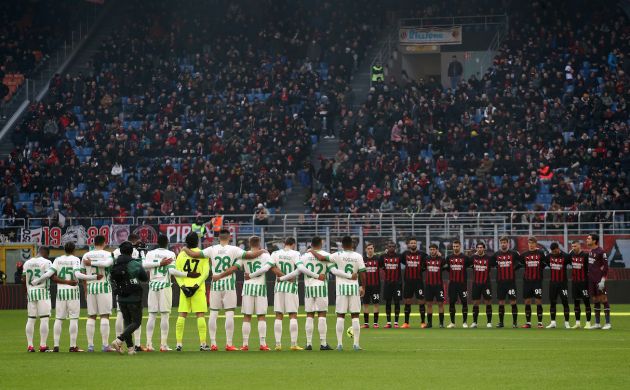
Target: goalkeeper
(192, 296)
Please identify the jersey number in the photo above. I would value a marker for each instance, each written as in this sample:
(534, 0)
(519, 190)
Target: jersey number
(349, 269)
(162, 269)
(311, 267)
(66, 271)
(254, 266)
(36, 272)
(223, 263)
(187, 267)
(286, 268)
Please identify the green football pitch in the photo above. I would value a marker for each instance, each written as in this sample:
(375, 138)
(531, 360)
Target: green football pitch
(397, 358)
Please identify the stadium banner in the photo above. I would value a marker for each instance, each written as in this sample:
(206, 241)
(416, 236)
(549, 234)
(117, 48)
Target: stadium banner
(617, 246)
(431, 36)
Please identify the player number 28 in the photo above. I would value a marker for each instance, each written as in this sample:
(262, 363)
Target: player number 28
(223, 263)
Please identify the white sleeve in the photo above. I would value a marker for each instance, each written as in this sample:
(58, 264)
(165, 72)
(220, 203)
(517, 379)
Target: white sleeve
(290, 275)
(337, 272)
(207, 252)
(45, 276)
(83, 276)
(103, 263)
(150, 262)
(307, 271)
(261, 270)
(177, 273)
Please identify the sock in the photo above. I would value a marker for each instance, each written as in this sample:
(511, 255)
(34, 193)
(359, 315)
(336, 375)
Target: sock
(576, 309)
(376, 317)
(396, 312)
(57, 332)
(262, 331)
(539, 312)
(202, 329)
(74, 332)
(587, 309)
(501, 313)
(423, 310)
(430, 318)
(43, 331)
(552, 311)
(441, 315)
(137, 336)
(339, 330)
(293, 331)
(150, 328)
(164, 326)
(30, 330)
(475, 313)
(514, 313)
(388, 312)
(465, 312)
(451, 312)
(212, 326)
(90, 327)
(607, 312)
(119, 327)
(366, 318)
(229, 327)
(357, 331)
(246, 329)
(309, 327)
(407, 313)
(565, 310)
(179, 330)
(597, 312)
(277, 331)
(528, 313)
(322, 328)
(489, 313)
(105, 331)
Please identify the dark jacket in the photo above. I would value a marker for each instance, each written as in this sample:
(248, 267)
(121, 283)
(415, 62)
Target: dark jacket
(134, 267)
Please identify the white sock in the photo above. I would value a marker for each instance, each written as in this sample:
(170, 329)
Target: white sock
(105, 330)
(43, 331)
(150, 328)
(322, 327)
(339, 330)
(120, 322)
(212, 326)
(30, 330)
(90, 327)
(137, 340)
(277, 331)
(309, 330)
(74, 332)
(293, 330)
(356, 329)
(246, 329)
(57, 332)
(262, 331)
(229, 327)
(164, 326)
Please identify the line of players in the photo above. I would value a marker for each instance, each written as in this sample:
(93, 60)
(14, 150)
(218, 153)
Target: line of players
(191, 269)
(589, 271)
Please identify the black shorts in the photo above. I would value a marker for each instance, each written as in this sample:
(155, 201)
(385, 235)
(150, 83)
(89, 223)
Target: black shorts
(506, 290)
(434, 293)
(414, 288)
(579, 290)
(457, 291)
(558, 290)
(372, 295)
(479, 290)
(532, 289)
(393, 291)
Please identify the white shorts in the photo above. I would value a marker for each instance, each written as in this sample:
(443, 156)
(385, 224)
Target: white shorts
(285, 302)
(254, 305)
(312, 305)
(161, 301)
(348, 304)
(68, 309)
(225, 300)
(99, 304)
(39, 308)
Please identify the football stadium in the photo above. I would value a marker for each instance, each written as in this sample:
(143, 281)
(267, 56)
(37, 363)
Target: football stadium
(313, 193)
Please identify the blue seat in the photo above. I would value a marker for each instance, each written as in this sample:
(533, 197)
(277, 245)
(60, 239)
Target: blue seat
(105, 195)
(81, 187)
(77, 110)
(23, 197)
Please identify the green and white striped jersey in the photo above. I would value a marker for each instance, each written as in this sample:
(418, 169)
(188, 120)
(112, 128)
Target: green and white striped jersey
(255, 287)
(349, 262)
(287, 262)
(98, 286)
(65, 266)
(159, 277)
(315, 288)
(221, 258)
(33, 269)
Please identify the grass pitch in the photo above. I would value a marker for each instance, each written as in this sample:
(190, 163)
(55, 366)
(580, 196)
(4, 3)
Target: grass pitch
(396, 358)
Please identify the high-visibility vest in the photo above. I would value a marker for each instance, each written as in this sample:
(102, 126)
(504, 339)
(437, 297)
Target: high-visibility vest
(199, 229)
(217, 223)
(377, 73)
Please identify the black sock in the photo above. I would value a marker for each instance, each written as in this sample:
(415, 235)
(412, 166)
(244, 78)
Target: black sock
(366, 318)
(407, 313)
(576, 309)
(475, 313)
(423, 310)
(465, 312)
(430, 318)
(597, 312)
(451, 312)
(396, 311)
(441, 315)
(489, 313)
(607, 312)
(587, 309)
(565, 310)
(376, 318)
(528, 313)
(552, 311)
(539, 312)
(514, 313)
(501, 313)
(388, 311)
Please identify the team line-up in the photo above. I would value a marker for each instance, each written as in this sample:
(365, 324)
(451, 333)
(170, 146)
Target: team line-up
(100, 272)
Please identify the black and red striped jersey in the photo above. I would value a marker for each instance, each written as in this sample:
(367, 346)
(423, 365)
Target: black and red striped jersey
(457, 265)
(558, 265)
(433, 267)
(413, 264)
(481, 269)
(579, 266)
(372, 271)
(391, 264)
(534, 262)
(506, 263)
